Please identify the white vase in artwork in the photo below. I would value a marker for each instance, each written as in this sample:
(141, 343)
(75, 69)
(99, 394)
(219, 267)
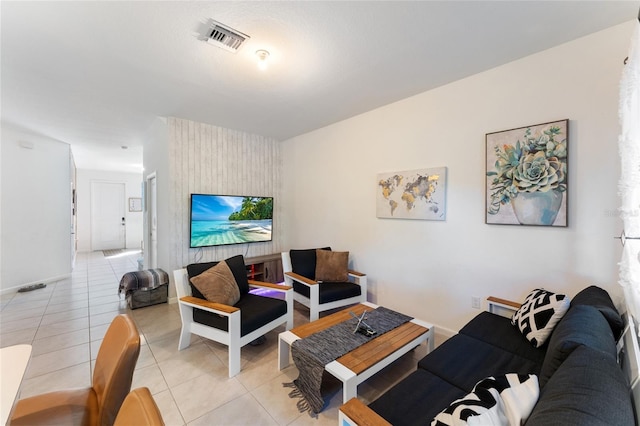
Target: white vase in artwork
(537, 208)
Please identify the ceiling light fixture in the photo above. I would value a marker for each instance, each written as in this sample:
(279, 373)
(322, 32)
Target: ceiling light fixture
(263, 57)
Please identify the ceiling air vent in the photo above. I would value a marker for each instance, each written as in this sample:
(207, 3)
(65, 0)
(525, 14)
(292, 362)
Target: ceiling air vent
(225, 37)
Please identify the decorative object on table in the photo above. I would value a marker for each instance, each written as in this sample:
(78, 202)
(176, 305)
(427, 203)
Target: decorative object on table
(412, 194)
(312, 353)
(362, 327)
(527, 181)
(145, 288)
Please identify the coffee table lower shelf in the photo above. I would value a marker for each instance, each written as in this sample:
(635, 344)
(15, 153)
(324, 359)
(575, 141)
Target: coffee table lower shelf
(363, 362)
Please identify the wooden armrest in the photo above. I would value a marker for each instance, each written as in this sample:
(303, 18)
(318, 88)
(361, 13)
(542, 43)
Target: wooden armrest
(211, 305)
(361, 414)
(356, 273)
(515, 305)
(300, 278)
(269, 285)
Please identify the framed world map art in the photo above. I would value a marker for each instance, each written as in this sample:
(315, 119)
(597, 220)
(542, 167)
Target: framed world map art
(412, 194)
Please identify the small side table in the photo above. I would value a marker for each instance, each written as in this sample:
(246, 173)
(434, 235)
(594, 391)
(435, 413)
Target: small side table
(14, 361)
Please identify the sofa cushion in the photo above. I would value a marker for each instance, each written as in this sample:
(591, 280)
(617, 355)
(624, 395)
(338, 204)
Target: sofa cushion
(599, 299)
(303, 262)
(332, 266)
(236, 265)
(255, 311)
(582, 325)
(463, 361)
(539, 313)
(416, 400)
(588, 388)
(217, 284)
(500, 400)
(498, 331)
(330, 292)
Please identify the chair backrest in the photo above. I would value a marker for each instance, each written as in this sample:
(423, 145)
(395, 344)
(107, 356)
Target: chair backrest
(236, 265)
(286, 267)
(114, 367)
(139, 409)
(301, 261)
(182, 283)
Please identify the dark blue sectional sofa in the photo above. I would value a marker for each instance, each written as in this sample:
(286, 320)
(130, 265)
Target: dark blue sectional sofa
(581, 382)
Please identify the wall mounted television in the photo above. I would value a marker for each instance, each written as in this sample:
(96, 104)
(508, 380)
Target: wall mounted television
(229, 219)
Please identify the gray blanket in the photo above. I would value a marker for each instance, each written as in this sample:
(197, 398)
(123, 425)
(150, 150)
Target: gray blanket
(312, 353)
(138, 280)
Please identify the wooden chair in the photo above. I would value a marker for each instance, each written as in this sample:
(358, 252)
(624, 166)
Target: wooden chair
(139, 409)
(299, 272)
(99, 404)
(234, 326)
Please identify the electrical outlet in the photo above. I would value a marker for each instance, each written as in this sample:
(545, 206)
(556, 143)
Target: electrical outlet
(475, 302)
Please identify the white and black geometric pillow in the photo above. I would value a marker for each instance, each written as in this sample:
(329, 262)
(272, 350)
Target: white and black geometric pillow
(503, 400)
(539, 313)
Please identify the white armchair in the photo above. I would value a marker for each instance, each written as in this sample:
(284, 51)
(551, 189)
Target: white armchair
(321, 296)
(233, 326)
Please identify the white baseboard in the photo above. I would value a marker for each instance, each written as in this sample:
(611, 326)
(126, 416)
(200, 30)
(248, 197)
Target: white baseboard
(44, 281)
(444, 332)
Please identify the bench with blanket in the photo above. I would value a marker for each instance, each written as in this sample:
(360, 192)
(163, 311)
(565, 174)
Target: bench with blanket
(144, 288)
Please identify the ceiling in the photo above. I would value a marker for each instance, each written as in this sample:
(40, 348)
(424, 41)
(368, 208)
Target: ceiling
(97, 74)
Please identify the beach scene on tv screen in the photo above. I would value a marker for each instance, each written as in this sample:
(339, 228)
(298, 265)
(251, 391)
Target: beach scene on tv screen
(218, 219)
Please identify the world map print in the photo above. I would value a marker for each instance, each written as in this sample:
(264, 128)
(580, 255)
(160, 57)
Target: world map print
(412, 194)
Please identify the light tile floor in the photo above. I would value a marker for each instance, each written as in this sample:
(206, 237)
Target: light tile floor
(66, 321)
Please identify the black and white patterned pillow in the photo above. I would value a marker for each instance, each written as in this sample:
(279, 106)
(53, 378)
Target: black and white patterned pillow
(539, 314)
(502, 400)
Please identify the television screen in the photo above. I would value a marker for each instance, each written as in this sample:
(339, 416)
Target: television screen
(229, 219)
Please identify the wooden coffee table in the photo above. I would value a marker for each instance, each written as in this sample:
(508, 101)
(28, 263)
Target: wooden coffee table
(363, 362)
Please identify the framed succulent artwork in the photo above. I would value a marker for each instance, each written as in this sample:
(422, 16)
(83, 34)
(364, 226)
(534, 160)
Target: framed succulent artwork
(527, 181)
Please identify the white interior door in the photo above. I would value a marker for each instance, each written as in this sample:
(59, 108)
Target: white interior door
(108, 226)
(153, 223)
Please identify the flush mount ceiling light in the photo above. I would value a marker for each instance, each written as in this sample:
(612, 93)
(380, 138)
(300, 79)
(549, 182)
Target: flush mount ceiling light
(263, 57)
(225, 37)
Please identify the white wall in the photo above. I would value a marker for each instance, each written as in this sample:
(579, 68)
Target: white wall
(156, 161)
(36, 209)
(201, 158)
(431, 269)
(133, 189)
